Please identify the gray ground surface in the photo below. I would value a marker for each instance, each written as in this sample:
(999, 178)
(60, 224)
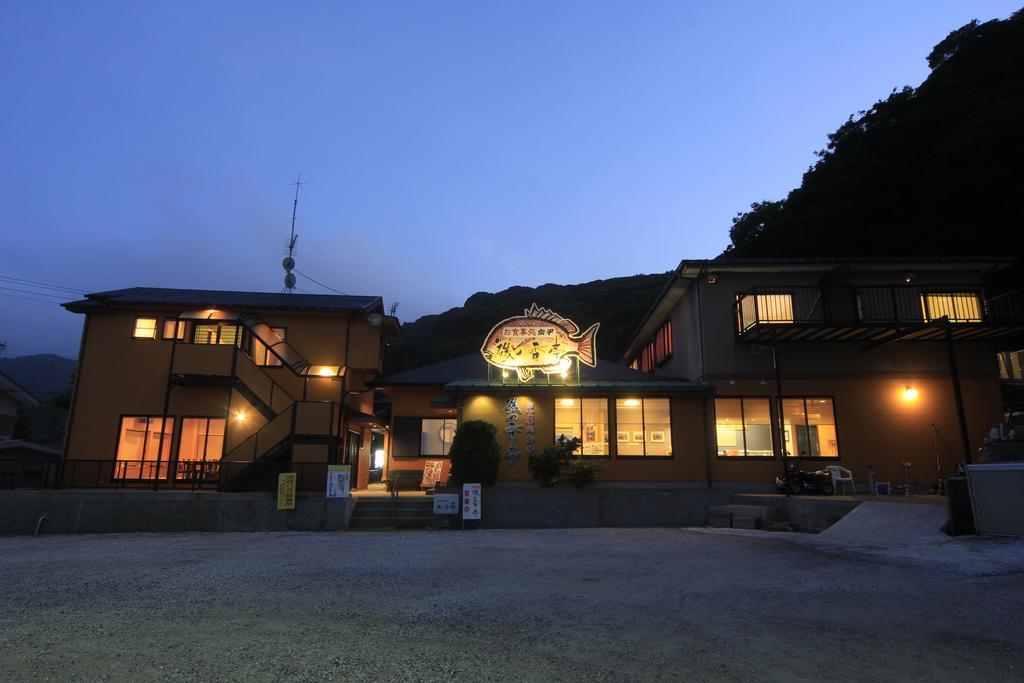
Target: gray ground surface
(605, 604)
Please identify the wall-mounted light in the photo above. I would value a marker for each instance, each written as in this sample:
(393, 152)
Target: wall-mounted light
(909, 393)
(240, 416)
(909, 277)
(567, 402)
(712, 279)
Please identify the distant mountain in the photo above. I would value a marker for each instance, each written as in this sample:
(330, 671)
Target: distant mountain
(45, 375)
(618, 304)
(929, 171)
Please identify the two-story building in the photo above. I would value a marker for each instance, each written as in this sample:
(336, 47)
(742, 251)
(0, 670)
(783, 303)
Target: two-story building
(213, 389)
(883, 363)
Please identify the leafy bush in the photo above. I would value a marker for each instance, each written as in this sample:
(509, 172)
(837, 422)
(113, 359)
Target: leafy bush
(546, 466)
(475, 454)
(583, 472)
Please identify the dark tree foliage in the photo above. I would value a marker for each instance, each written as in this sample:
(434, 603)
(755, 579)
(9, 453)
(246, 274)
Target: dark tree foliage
(618, 304)
(475, 454)
(930, 171)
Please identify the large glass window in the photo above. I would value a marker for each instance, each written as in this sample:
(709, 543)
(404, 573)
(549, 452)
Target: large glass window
(585, 419)
(643, 427)
(261, 355)
(743, 427)
(809, 425)
(201, 446)
(218, 333)
(145, 328)
(959, 307)
(139, 444)
(436, 435)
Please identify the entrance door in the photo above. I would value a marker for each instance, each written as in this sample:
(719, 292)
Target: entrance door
(352, 456)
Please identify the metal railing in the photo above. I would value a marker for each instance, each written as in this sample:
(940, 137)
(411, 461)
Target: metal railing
(150, 475)
(877, 305)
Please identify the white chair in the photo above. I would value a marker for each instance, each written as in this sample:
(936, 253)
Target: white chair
(841, 475)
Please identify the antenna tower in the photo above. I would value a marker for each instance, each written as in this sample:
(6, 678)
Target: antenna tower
(289, 261)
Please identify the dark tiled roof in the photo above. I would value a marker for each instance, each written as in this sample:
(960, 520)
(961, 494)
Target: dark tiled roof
(470, 371)
(206, 298)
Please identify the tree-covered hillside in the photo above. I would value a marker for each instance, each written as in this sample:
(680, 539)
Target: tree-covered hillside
(932, 170)
(618, 304)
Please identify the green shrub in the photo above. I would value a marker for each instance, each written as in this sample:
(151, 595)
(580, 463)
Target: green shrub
(583, 472)
(546, 466)
(475, 454)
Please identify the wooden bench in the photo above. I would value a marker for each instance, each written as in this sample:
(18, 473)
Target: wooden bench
(403, 480)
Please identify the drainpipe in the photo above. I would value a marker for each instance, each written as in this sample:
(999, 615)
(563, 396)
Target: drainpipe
(778, 409)
(708, 455)
(958, 396)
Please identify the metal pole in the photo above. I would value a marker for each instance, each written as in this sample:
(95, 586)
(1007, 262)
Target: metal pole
(958, 394)
(778, 408)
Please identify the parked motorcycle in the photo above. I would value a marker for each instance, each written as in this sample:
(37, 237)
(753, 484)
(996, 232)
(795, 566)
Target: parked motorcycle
(797, 481)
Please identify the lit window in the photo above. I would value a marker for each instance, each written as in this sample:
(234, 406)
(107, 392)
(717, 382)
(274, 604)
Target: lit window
(201, 447)
(585, 419)
(436, 435)
(765, 308)
(643, 427)
(218, 333)
(743, 427)
(261, 355)
(145, 328)
(141, 439)
(656, 351)
(959, 307)
(809, 425)
(174, 329)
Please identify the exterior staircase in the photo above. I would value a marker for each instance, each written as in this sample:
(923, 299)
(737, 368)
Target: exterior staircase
(777, 512)
(392, 513)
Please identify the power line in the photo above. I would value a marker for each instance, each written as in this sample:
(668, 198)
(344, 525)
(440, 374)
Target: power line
(45, 285)
(35, 293)
(320, 283)
(25, 298)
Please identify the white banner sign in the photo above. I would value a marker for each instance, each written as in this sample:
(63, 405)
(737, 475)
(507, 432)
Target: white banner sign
(471, 501)
(338, 480)
(446, 504)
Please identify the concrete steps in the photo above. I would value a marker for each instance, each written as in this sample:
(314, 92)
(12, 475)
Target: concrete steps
(400, 514)
(740, 516)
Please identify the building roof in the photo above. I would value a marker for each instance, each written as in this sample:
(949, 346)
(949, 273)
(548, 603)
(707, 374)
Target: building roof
(471, 371)
(207, 298)
(690, 269)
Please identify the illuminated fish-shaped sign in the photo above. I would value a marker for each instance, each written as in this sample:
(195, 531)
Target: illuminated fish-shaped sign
(539, 340)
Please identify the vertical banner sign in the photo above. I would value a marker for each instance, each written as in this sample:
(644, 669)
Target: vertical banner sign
(338, 480)
(512, 413)
(470, 501)
(531, 420)
(286, 490)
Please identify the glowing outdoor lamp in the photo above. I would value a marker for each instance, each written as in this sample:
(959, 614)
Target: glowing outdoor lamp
(240, 416)
(909, 393)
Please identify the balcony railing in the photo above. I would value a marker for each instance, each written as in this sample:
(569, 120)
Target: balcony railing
(874, 313)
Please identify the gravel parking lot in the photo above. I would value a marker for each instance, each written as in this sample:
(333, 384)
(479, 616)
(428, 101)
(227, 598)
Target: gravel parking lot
(605, 604)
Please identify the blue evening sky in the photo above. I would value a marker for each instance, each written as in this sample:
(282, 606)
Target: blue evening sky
(451, 147)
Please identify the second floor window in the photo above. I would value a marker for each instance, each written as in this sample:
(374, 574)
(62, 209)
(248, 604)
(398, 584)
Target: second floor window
(145, 328)
(217, 333)
(959, 307)
(261, 355)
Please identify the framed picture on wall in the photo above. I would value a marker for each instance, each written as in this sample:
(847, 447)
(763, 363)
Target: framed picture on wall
(658, 437)
(622, 437)
(638, 437)
(590, 433)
